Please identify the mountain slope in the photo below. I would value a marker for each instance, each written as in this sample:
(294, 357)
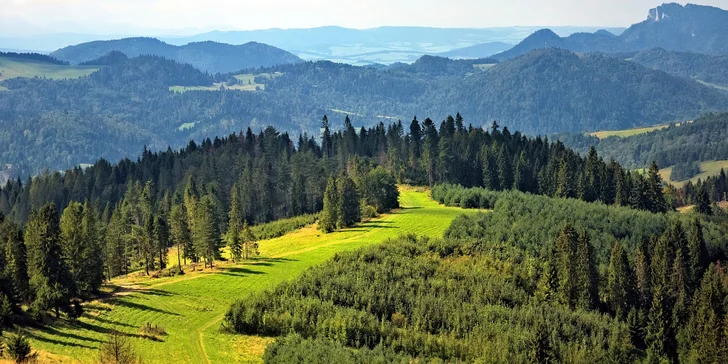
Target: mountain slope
(702, 67)
(206, 56)
(690, 28)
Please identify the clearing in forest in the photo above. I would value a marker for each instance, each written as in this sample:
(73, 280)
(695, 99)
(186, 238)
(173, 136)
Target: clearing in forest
(11, 67)
(190, 308)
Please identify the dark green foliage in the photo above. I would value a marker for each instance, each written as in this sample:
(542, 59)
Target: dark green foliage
(332, 202)
(684, 171)
(18, 348)
(349, 202)
(295, 349)
(378, 189)
(49, 277)
(281, 227)
(619, 283)
(34, 57)
(206, 232)
(703, 67)
(702, 202)
(424, 298)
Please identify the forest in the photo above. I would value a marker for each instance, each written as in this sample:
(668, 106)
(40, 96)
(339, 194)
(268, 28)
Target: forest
(126, 105)
(537, 279)
(230, 192)
(704, 139)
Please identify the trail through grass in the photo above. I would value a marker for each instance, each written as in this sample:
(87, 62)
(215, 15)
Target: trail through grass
(190, 307)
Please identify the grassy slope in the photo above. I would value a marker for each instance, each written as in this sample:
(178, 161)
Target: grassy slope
(191, 307)
(13, 67)
(707, 169)
(248, 80)
(627, 132)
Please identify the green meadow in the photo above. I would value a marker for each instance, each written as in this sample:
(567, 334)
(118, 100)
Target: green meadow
(13, 67)
(190, 307)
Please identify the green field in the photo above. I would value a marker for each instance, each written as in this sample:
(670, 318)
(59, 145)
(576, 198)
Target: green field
(190, 307)
(627, 132)
(13, 67)
(248, 84)
(707, 169)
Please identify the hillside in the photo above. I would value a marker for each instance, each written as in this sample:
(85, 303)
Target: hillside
(127, 105)
(14, 65)
(705, 139)
(689, 28)
(207, 56)
(702, 67)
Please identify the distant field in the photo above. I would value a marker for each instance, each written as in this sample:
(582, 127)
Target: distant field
(709, 168)
(719, 87)
(247, 80)
(191, 307)
(484, 66)
(627, 132)
(13, 67)
(3, 88)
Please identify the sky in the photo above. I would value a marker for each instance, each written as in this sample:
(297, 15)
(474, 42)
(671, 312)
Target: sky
(183, 17)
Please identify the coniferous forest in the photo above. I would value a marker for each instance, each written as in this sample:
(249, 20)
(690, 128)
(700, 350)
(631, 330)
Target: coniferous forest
(559, 254)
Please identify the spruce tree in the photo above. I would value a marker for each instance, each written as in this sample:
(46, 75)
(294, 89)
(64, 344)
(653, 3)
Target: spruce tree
(697, 253)
(642, 276)
(93, 252)
(702, 202)
(232, 237)
(206, 233)
(565, 252)
(349, 202)
(161, 239)
(619, 280)
(585, 275)
(247, 238)
(565, 181)
(660, 338)
(49, 279)
(72, 243)
(705, 331)
(16, 265)
(655, 198)
(330, 214)
(179, 232)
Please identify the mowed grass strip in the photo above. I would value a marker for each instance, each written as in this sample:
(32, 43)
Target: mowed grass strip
(190, 307)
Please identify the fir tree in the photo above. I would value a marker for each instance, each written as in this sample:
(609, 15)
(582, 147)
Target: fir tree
(566, 243)
(206, 233)
(702, 202)
(179, 232)
(349, 202)
(697, 253)
(232, 237)
(585, 275)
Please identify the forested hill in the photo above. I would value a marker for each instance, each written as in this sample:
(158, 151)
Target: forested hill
(702, 67)
(689, 28)
(115, 112)
(704, 139)
(206, 56)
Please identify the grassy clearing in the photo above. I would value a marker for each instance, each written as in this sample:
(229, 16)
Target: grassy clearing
(12, 67)
(628, 132)
(247, 80)
(190, 307)
(707, 169)
(719, 87)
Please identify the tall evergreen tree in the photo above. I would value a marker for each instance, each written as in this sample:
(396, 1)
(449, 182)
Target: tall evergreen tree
(330, 214)
(565, 251)
(697, 253)
(232, 237)
(72, 244)
(49, 278)
(619, 291)
(702, 202)
(180, 232)
(206, 233)
(349, 202)
(585, 274)
(660, 337)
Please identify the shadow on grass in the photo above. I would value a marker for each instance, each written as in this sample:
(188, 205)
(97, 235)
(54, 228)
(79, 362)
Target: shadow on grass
(153, 292)
(239, 272)
(32, 336)
(107, 321)
(52, 331)
(141, 307)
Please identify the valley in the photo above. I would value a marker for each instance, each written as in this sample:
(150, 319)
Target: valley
(191, 312)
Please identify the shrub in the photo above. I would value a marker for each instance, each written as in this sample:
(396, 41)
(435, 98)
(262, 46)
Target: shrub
(117, 349)
(368, 212)
(18, 348)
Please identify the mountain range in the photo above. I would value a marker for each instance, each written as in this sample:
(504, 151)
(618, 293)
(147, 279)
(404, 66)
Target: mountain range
(689, 28)
(207, 56)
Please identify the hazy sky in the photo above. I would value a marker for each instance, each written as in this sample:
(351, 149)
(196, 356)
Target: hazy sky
(113, 16)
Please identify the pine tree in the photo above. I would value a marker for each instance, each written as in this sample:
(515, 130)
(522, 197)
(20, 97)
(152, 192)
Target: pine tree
(705, 333)
(505, 170)
(16, 265)
(491, 180)
(521, 178)
(330, 214)
(49, 279)
(161, 239)
(349, 202)
(642, 277)
(619, 290)
(232, 237)
(565, 181)
(247, 239)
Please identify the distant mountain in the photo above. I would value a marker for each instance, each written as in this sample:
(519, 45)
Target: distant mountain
(206, 56)
(118, 109)
(384, 45)
(477, 51)
(549, 90)
(701, 67)
(689, 28)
